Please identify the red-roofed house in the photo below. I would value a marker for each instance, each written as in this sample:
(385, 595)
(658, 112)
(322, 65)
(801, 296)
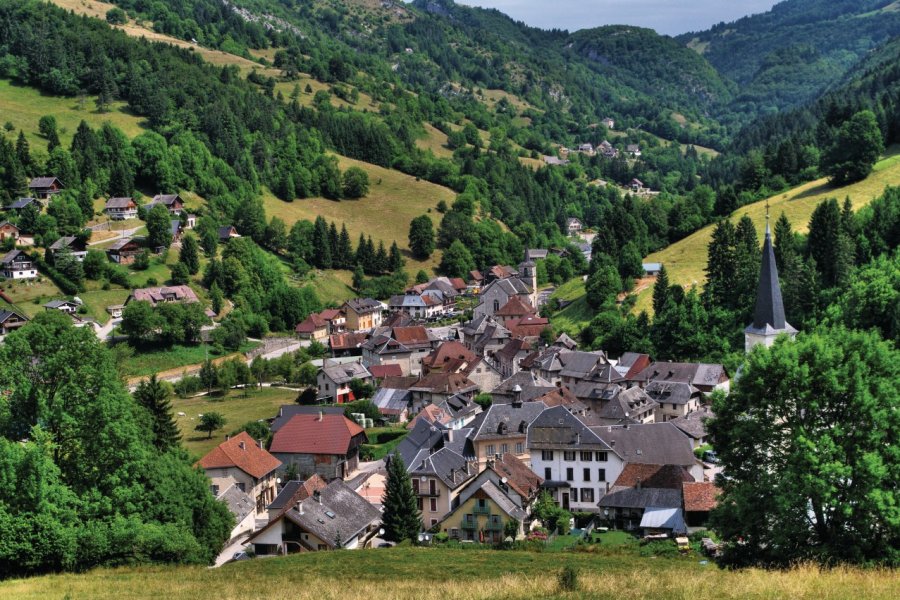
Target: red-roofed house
(314, 327)
(528, 326)
(323, 444)
(514, 310)
(242, 462)
(379, 372)
(699, 499)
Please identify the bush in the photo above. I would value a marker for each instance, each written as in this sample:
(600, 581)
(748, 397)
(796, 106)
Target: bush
(568, 579)
(663, 548)
(116, 16)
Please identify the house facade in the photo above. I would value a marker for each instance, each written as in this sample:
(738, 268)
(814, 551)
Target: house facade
(326, 444)
(45, 188)
(8, 231)
(15, 264)
(77, 246)
(333, 380)
(124, 251)
(482, 515)
(10, 321)
(362, 314)
(173, 203)
(119, 209)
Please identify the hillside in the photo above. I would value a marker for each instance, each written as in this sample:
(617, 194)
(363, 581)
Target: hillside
(411, 573)
(788, 55)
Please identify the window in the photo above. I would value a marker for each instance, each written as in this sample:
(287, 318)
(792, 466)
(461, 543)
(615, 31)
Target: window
(586, 474)
(496, 305)
(569, 455)
(587, 494)
(570, 474)
(586, 456)
(241, 487)
(548, 473)
(602, 456)
(482, 503)
(433, 522)
(601, 474)
(214, 489)
(433, 506)
(519, 448)
(326, 387)
(432, 487)
(546, 454)
(574, 494)
(490, 450)
(504, 448)
(415, 482)
(419, 503)
(454, 533)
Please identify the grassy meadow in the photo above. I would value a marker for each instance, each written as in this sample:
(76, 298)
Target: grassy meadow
(574, 317)
(441, 573)
(394, 200)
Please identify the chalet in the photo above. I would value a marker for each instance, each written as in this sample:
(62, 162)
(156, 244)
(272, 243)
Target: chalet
(636, 186)
(115, 310)
(242, 463)
(226, 233)
(44, 188)
(66, 306)
(173, 203)
(333, 380)
(586, 148)
(333, 518)
(75, 245)
(124, 251)
(607, 150)
(22, 203)
(325, 443)
(10, 321)
(15, 264)
(362, 314)
(534, 254)
(157, 295)
(633, 149)
(483, 514)
(574, 226)
(119, 209)
(8, 231)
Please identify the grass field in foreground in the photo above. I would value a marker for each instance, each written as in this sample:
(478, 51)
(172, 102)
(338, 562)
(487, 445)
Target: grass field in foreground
(394, 200)
(441, 574)
(237, 409)
(685, 260)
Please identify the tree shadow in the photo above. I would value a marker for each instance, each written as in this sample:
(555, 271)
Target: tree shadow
(817, 190)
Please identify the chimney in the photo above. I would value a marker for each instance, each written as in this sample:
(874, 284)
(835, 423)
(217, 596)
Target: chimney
(261, 445)
(449, 435)
(241, 445)
(453, 475)
(638, 486)
(577, 439)
(227, 437)
(321, 415)
(300, 507)
(318, 496)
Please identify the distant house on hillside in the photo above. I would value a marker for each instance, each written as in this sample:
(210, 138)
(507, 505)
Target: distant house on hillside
(157, 295)
(651, 269)
(608, 123)
(226, 233)
(44, 188)
(574, 226)
(173, 203)
(15, 264)
(77, 246)
(633, 149)
(119, 209)
(8, 231)
(22, 203)
(10, 320)
(124, 251)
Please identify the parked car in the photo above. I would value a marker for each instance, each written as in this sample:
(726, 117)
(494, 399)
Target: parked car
(710, 457)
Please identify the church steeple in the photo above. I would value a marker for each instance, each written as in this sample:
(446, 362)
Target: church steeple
(768, 318)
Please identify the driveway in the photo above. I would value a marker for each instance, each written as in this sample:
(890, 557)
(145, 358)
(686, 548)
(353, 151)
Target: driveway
(235, 545)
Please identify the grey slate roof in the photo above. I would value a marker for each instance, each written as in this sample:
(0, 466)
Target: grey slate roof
(652, 443)
(6, 314)
(579, 364)
(43, 182)
(119, 203)
(346, 372)
(389, 400)
(557, 428)
(693, 425)
(503, 502)
(20, 203)
(768, 318)
(451, 467)
(424, 435)
(238, 502)
(629, 497)
(515, 418)
(626, 405)
(671, 392)
(533, 386)
(363, 305)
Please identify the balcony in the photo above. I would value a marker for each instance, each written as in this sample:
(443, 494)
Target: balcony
(428, 493)
(482, 510)
(469, 525)
(491, 526)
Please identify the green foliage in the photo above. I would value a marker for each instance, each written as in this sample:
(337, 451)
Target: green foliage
(355, 183)
(855, 149)
(153, 396)
(210, 422)
(116, 16)
(421, 237)
(365, 407)
(401, 520)
(568, 579)
(457, 261)
(484, 400)
(159, 230)
(808, 439)
(189, 255)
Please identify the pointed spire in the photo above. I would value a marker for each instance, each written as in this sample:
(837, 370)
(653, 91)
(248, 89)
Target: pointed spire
(769, 305)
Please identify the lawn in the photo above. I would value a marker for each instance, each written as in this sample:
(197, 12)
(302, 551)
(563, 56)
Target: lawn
(443, 573)
(435, 140)
(23, 106)
(332, 287)
(685, 260)
(156, 360)
(576, 316)
(394, 200)
(383, 440)
(237, 409)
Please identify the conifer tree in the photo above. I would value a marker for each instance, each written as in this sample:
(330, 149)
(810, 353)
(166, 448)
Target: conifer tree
(23, 153)
(345, 248)
(395, 259)
(216, 298)
(721, 265)
(747, 257)
(152, 395)
(381, 258)
(322, 258)
(334, 244)
(783, 244)
(362, 259)
(189, 254)
(661, 291)
(402, 520)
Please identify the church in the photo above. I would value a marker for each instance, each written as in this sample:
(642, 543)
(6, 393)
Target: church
(768, 318)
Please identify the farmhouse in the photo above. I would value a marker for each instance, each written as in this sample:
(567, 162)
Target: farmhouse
(325, 443)
(124, 251)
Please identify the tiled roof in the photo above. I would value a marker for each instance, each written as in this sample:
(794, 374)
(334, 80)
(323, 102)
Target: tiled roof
(518, 476)
(239, 503)
(693, 424)
(295, 491)
(653, 476)
(347, 341)
(515, 307)
(444, 383)
(287, 411)
(411, 335)
(528, 326)
(316, 434)
(181, 293)
(243, 452)
(382, 371)
(447, 355)
(674, 392)
(700, 496)
(363, 305)
(120, 203)
(343, 373)
(312, 323)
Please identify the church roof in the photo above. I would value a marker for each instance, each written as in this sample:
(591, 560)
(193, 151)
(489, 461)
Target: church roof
(768, 317)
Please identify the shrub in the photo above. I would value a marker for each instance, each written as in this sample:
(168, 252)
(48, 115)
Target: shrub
(568, 579)
(663, 548)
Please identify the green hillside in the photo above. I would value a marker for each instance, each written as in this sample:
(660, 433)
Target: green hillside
(438, 574)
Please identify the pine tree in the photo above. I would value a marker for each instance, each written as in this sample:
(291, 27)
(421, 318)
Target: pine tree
(334, 243)
(381, 259)
(401, 520)
(23, 154)
(321, 258)
(345, 248)
(395, 259)
(721, 266)
(828, 244)
(661, 290)
(747, 259)
(362, 259)
(421, 237)
(783, 244)
(189, 254)
(152, 395)
(216, 298)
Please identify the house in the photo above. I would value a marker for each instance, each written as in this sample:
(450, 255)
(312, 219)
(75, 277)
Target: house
(66, 306)
(636, 186)
(15, 264)
(608, 123)
(647, 497)
(586, 148)
(600, 387)
(651, 443)
(334, 518)
(226, 233)
(574, 226)
(515, 478)
(484, 336)
(607, 150)
(22, 203)
(693, 425)
(362, 314)
(10, 320)
(502, 429)
(115, 310)
(576, 464)
(514, 309)
(293, 492)
(124, 251)
(334, 379)
(523, 386)
(449, 357)
(703, 376)
(157, 295)
(555, 161)
(529, 326)
(438, 467)
(44, 188)
(403, 346)
(628, 407)
(417, 306)
(286, 412)
(633, 149)
(699, 497)
(499, 292)
(394, 399)
(534, 254)
(8, 231)
(483, 515)
(437, 387)
(631, 363)
(173, 203)
(119, 209)
(325, 443)
(242, 463)
(347, 344)
(75, 245)
(675, 399)
(476, 280)
(509, 355)
(314, 327)
(651, 269)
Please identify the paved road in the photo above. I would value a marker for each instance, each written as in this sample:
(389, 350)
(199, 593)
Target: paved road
(125, 233)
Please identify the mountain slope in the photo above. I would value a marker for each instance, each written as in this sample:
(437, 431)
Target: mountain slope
(785, 56)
